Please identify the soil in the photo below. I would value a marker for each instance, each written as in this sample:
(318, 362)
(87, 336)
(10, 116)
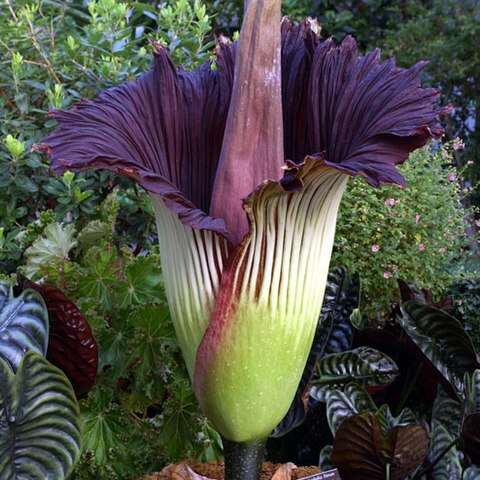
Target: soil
(214, 471)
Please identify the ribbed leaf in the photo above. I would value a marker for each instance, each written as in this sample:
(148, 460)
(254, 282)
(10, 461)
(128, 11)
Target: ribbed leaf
(364, 366)
(39, 421)
(71, 345)
(471, 437)
(334, 334)
(342, 404)
(442, 339)
(23, 324)
(448, 468)
(362, 452)
(448, 412)
(342, 295)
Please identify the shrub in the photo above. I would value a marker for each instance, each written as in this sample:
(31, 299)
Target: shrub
(417, 234)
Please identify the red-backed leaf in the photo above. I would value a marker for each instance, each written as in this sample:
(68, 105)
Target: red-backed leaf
(71, 345)
(362, 452)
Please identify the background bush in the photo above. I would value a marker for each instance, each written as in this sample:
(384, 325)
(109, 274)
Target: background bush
(418, 234)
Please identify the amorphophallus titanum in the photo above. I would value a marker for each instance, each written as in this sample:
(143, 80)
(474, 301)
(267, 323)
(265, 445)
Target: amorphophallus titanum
(246, 165)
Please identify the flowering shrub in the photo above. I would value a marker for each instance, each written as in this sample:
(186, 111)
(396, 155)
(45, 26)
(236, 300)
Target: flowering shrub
(417, 234)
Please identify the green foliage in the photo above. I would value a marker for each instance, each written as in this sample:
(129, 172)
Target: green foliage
(53, 55)
(40, 421)
(415, 234)
(141, 413)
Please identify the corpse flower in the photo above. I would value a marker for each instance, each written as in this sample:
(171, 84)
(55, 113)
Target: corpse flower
(246, 164)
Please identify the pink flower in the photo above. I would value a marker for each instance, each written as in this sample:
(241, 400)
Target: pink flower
(458, 143)
(477, 223)
(390, 202)
(452, 177)
(375, 248)
(421, 247)
(417, 218)
(442, 250)
(387, 275)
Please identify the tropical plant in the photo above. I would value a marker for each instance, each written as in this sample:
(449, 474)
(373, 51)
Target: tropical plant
(40, 417)
(430, 435)
(239, 285)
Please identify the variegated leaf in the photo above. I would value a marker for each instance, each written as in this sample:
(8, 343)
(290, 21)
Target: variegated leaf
(364, 366)
(344, 403)
(23, 324)
(448, 468)
(40, 430)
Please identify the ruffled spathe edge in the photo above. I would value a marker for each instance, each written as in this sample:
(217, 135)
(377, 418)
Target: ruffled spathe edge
(164, 130)
(364, 115)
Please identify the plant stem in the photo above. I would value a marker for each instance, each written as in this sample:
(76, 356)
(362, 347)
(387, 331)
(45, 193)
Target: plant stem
(387, 472)
(243, 461)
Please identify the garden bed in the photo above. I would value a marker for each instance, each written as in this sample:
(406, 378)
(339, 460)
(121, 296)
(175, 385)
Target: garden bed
(215, 471)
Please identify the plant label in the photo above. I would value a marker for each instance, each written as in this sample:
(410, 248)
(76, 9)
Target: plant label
(330, 475)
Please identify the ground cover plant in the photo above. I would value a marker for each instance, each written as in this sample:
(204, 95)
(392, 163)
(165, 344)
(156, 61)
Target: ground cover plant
(97, 253)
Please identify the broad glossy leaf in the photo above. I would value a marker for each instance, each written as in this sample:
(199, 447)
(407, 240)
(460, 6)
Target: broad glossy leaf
(442, 340)
(448, 468)
(72, 346)
(23, 324)
(342, 404)
(448, 412)
(334, 334)
(362, 452)
(471, 437)
(364, 365)
(39, 421)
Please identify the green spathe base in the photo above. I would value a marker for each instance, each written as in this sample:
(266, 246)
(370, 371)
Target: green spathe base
(243, 461)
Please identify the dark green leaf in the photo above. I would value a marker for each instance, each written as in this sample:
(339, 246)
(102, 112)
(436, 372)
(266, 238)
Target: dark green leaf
(442, 340)
(448, 468)
(39, 421)
(364, 366)
(448, 412)
(23, 324)
(344, 403)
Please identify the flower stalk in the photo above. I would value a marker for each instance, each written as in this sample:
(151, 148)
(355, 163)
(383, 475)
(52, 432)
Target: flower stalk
(243, 461)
